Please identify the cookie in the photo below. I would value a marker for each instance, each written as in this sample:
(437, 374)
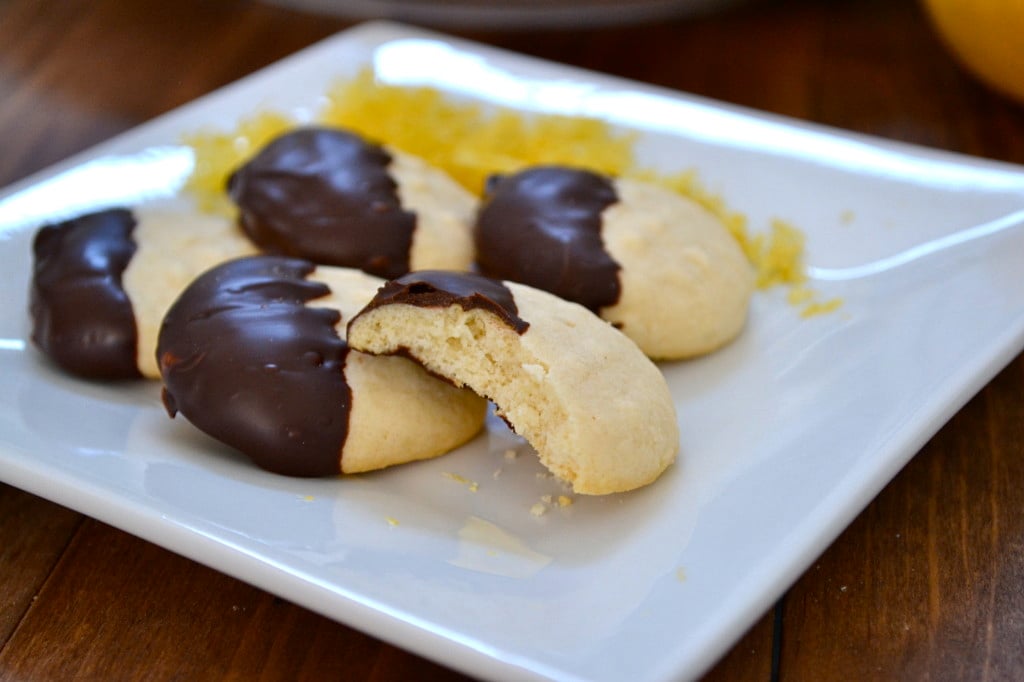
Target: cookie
(596, 409)
(102, 282)
(328, 195)
(253, 354)
(653, 263)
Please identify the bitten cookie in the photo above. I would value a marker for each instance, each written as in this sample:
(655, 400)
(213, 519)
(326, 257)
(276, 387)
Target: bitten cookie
(655, 264)
(330, 196)
(253, 354)
(102, 282)
(598, 412)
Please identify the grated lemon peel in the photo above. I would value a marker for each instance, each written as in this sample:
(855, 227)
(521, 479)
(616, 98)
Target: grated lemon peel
(424, 122)
(217, 154)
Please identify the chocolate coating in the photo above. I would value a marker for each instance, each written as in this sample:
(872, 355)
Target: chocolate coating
(441, 289)
(542, 227)
(325, 195)
(245, 360)
(81, 315)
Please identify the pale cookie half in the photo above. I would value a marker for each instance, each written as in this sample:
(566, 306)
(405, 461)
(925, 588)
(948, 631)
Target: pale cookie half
(657, 265)
(686, 284)
(444, 212)
(598, 412)
(173, 248)
(330, 196)
(253, 354)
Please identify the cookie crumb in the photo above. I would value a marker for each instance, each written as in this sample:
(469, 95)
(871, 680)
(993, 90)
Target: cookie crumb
(538, 509)
(816, 308)
(511, 454)
(472, 485)
(564, 500)
(391, 521)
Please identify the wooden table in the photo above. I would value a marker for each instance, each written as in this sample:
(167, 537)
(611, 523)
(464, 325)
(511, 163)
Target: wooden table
(927, 583)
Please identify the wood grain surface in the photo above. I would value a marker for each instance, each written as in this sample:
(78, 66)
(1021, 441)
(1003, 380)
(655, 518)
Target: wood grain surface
(927, 583)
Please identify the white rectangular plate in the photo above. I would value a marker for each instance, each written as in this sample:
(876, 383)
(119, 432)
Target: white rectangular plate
(787, 434)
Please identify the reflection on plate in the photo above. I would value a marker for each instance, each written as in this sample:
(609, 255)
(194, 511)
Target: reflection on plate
(787, 433)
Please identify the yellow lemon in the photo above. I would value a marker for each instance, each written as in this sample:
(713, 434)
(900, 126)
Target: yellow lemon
(988, 38)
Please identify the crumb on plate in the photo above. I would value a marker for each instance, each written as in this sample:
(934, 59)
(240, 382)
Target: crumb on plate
(458, 478)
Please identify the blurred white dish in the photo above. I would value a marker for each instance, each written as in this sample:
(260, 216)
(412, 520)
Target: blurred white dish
(517, 14)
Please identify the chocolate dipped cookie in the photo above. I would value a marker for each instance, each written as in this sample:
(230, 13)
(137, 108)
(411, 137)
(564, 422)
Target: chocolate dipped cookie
(330, 196)
(596, 409)
(253, 353)
(656, 265)
(102, 282)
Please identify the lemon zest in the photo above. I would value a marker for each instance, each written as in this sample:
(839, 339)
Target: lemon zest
(471, 142)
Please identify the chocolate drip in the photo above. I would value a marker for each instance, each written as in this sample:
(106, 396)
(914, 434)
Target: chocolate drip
(81, 315)
(245, 360)
(542, 227)
(325, 195)
(440, 289)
